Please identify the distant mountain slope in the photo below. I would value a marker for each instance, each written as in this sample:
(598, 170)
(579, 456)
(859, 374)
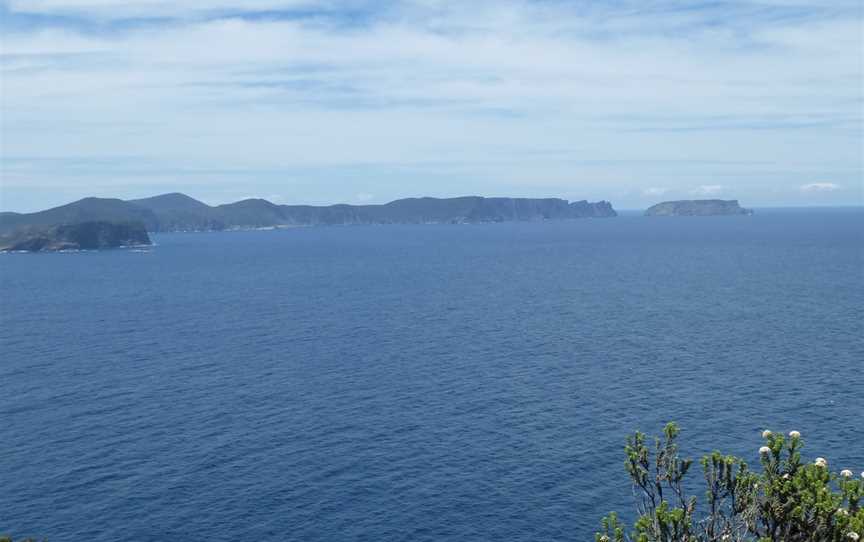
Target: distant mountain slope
(175, 201)
(450, 210)
(423, 210)
(178, 212)
(250, 213)
(85, 210)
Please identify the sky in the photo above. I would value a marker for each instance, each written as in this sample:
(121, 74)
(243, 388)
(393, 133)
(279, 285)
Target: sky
(366, 101)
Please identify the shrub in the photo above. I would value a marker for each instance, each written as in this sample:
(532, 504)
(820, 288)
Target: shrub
(788, 501)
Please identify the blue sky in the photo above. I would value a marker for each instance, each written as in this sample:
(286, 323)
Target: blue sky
(315, 101)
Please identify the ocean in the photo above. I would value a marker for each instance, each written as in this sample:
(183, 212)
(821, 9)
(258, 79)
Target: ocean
(415, 382)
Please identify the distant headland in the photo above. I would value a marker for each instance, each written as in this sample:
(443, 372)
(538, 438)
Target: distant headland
(79, 236)
(179, 212)
(95, 223)
(698, 207)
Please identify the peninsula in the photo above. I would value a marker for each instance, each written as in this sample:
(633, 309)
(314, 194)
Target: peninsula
(179, 212)
(698, 207)
(80, 236)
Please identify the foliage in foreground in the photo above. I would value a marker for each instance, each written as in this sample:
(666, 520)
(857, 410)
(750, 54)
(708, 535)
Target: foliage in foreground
(789, 501)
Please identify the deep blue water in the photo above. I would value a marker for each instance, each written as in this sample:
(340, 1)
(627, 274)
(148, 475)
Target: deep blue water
(395, 383)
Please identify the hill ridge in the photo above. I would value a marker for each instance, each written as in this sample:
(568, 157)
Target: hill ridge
(175, 211)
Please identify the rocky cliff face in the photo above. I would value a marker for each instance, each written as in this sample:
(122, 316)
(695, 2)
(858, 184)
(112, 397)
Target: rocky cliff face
(704, 207)
(81, 236)
(600, 209)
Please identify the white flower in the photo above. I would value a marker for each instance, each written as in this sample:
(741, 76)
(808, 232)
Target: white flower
(846, 473)
(862, 474)
(786, 476)
(821, 462)
(852, 535)
(794, 434)
(764, 450)
(766, 433)
(842, 512)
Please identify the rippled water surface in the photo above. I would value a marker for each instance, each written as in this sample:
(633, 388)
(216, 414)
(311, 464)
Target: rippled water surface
(434, 382)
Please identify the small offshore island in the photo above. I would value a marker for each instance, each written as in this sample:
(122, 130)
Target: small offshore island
(698, 207)
(81, 236)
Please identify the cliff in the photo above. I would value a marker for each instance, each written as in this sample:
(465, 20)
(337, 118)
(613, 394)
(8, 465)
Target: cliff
(704, 207)
(80, 236)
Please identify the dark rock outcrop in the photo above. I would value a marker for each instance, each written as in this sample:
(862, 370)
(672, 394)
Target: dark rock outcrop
(80, 236)
(699, 207)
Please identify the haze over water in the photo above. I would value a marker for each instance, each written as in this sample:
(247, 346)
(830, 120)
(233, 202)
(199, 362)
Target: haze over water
(436, 382)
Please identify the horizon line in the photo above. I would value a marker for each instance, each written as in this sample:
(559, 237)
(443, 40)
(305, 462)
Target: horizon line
(362, 204)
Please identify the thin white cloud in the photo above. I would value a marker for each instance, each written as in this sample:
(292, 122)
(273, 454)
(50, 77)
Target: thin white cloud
(655, 191)
(819, 187)
(708, 190)
(363, 197)
(121, 9)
